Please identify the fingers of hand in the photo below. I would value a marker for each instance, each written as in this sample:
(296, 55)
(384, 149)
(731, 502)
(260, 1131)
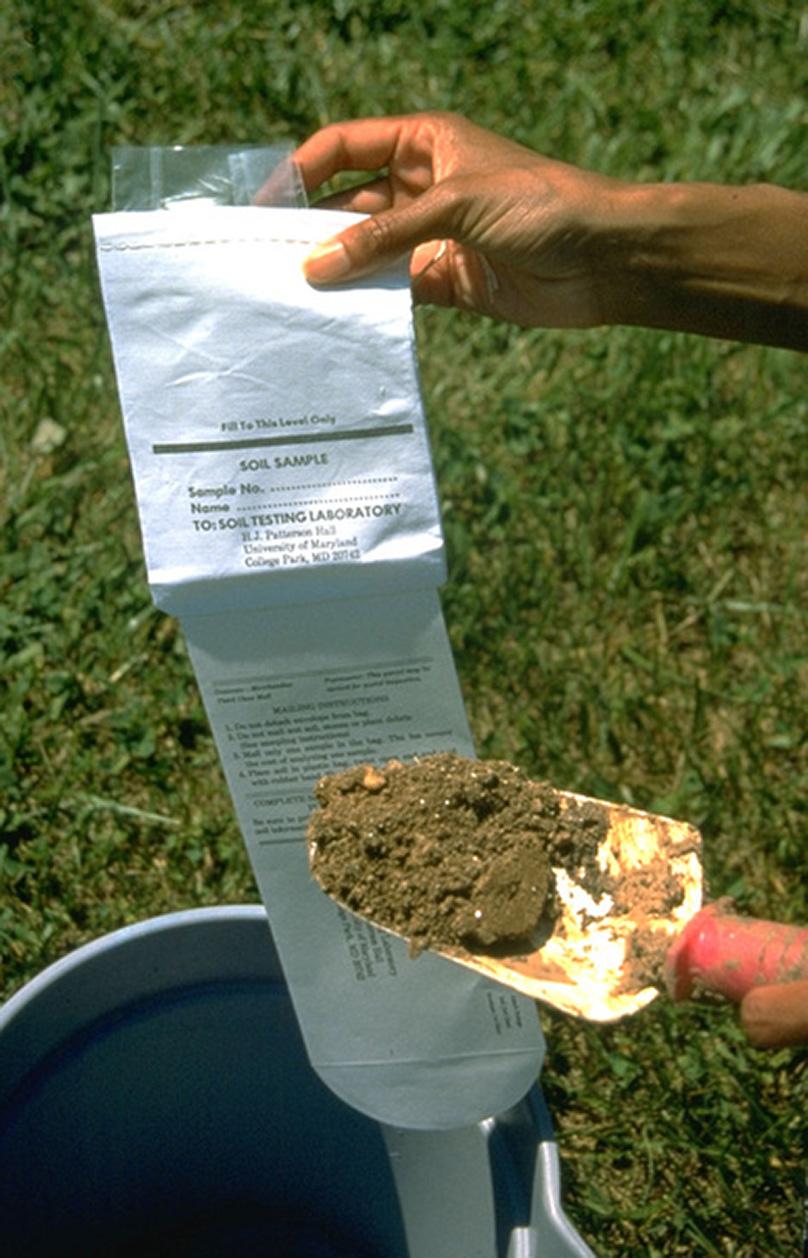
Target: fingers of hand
(776, 1016)
(379, 240)
(429, 273)
(365, 144)
(445, 273)
(354, 252)
(367, 198)
(328, 262)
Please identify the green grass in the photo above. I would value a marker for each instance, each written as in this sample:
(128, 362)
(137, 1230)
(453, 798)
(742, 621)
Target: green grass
(625, 512)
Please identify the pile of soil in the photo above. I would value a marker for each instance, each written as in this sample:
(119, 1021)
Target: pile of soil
(449, 851)
(647, 894)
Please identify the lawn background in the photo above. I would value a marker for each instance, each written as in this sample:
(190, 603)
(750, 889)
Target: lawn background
(625, 512)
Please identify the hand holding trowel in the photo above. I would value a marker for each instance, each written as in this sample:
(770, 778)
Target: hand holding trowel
(588, 906)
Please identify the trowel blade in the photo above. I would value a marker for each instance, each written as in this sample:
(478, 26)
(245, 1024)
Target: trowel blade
(604, 960)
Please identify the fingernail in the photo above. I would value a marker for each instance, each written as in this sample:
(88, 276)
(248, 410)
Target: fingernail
(327, 262)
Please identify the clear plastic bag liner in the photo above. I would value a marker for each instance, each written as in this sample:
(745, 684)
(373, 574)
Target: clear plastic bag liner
(187, 176)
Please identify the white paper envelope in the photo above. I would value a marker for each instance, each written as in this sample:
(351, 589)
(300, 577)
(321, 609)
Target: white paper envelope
(289, 517)
(273, 427)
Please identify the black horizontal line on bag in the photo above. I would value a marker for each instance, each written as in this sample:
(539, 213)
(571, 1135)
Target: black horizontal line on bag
(293, 439)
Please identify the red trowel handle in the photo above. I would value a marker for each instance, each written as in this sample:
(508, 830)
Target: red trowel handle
(730, 955)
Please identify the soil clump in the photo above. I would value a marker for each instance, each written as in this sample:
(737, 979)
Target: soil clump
(647, 894)
(451, 852)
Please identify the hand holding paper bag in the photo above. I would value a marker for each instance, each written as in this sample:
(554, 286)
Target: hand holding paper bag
(501, 230)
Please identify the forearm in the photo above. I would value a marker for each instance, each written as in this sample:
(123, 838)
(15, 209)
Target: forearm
(720, 261)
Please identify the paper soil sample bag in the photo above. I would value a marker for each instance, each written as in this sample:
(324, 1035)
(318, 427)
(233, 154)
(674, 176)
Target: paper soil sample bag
(290, 520)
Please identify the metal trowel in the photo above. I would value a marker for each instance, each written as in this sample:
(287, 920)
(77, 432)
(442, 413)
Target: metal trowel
(608, 957)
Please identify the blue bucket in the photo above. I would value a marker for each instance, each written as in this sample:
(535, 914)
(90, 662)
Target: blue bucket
(156, 1100)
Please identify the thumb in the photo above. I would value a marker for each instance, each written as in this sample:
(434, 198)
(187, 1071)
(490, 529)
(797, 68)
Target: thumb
(376, 241)
(776, 1015)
